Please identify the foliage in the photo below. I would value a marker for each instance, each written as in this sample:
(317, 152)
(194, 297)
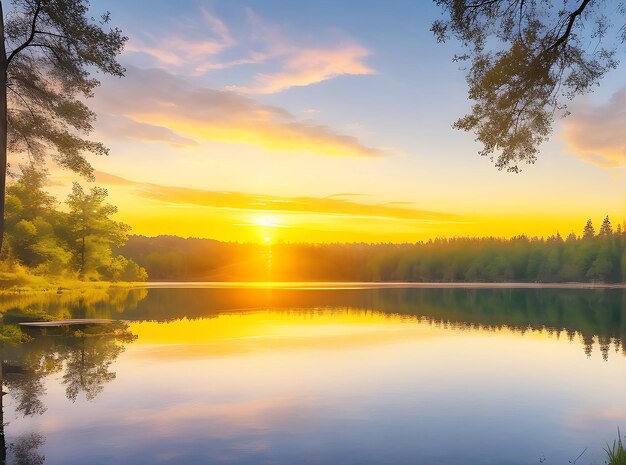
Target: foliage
(49, 51)
(589, 231)
(46, 241)
(91, 231)
(526, 57)
(24, 450)
(17, 277)
(83, 357)
(11, 335)
(53, 46)
(591, 258)
(616, 453)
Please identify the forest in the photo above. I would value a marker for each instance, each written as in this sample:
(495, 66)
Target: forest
(80, 240)
(594, 256)
(76, 242)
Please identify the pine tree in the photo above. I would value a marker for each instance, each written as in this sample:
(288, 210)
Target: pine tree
(92, 231)
(606, 230)
(588, 231)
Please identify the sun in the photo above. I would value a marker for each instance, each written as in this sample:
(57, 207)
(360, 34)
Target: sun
(266, 221)
(267, 227)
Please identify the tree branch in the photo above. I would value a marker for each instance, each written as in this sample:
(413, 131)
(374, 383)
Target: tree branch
(29, 150)
(480, 4)
(23, 101)
(521, 17)
(47, 33)
(33, 31)
(49, 47)
(570, 24)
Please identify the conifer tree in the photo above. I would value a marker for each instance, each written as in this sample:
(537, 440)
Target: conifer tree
(92, 231)
(588, 231)
(606, 230)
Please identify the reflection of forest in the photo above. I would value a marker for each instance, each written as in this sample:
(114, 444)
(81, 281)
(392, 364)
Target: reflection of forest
(92, 303)
(598, 314)
(83, 356)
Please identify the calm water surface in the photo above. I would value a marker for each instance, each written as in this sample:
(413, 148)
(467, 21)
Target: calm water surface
(319, 376)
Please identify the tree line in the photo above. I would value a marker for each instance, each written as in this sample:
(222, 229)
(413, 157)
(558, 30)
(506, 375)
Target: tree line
(593, 256)
(76, 242)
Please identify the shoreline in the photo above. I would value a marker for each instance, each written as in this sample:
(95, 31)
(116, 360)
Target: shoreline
(374, 285)
(77, 286)
(71, 286)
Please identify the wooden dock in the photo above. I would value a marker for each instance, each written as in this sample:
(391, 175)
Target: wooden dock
(62, 323)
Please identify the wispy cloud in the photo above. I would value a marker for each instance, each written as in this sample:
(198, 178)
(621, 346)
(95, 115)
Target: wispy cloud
(596, 133)
(303, 67)
(156, 105)
(286, 61)
(124, 127)
(331, 205)
(198, 52)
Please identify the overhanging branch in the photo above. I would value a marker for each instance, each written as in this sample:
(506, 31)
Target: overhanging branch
(570, 24)
(33, 31)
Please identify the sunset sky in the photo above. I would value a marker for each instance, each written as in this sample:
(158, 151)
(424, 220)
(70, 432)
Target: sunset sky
(327, 121)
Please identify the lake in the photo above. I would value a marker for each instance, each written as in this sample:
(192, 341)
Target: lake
(342, 374)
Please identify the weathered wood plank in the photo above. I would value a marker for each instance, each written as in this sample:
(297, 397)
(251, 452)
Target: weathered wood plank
(60, 323)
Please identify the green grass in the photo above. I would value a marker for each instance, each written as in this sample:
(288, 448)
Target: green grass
(19, 282)
(616, 453)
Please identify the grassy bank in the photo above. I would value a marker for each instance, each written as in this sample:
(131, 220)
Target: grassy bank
(22, 282)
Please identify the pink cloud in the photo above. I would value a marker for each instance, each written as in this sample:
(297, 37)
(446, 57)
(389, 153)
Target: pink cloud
(304, 67)
(596, 133)
(292, 64)
(174, 50)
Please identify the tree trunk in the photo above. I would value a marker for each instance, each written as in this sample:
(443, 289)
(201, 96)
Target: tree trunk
(3, 124)
(81, 274)
(3, 445)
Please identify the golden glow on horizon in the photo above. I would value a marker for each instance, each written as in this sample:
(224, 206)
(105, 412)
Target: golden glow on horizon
(154, 218)
(241, 217)
(353, 159)
(271, 330)
(266, 222)
(266, 227)
(265, 323)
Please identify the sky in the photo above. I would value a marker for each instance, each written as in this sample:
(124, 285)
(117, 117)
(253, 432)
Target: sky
(281, 121)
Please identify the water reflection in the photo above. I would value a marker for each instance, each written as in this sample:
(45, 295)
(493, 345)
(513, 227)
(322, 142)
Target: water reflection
(24, 450)
(92, 303)
(338, 376)
(82, 356)
(597, 315)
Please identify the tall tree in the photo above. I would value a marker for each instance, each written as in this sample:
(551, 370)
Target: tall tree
(92, 231)
(606, 229)
(589, 231)
(527, 57)
(49, 50)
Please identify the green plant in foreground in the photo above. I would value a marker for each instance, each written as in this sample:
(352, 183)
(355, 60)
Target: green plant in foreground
(616, 453)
